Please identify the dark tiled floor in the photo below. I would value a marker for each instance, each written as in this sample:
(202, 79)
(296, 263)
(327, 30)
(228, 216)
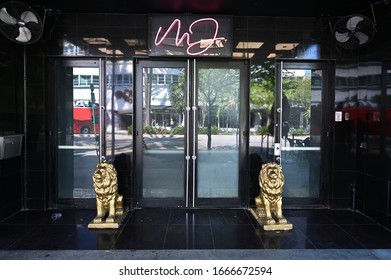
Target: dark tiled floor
(192, 229)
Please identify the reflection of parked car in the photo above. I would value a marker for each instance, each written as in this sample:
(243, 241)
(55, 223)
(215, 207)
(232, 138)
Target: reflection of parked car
(83, 121)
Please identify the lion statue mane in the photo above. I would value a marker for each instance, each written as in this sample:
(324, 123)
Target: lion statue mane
(269, 201)
(109, 203)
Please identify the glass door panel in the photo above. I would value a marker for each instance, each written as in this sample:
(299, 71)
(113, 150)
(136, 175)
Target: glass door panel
(218, 92)
(163, 139)
(78, 121)
(301, 129)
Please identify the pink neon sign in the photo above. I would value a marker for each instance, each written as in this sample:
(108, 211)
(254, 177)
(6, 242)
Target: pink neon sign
(192, 46)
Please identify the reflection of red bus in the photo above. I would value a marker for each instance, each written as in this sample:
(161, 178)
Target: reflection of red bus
(83, 121)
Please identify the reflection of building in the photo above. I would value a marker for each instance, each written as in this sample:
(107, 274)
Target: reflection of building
(358, 96)
(83, 78)
(119, 94)
(158, 84)
(120, 104)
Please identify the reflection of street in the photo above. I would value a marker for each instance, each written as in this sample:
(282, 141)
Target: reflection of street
(168, 142)
(164, 142)
(297, 162)
(300, 163)
(164, 166)
(122, 143)
(86, 157)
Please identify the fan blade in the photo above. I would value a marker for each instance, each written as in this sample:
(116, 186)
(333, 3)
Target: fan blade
(351, 24)
(6, 17)
(342, 37)
(24, 35)
(362, 37)
(28, 16)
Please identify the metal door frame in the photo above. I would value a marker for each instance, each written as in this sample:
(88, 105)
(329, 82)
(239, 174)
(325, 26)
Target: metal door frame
(54, 63)
(328, 71)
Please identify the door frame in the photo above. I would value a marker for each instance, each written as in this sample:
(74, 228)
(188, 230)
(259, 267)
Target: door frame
(328, 86)
(190, 200)
(54, 63)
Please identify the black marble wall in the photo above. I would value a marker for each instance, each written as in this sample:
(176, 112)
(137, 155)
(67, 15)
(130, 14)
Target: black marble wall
(11, 122)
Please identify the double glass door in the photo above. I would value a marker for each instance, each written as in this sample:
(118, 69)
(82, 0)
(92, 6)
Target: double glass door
(190, 133)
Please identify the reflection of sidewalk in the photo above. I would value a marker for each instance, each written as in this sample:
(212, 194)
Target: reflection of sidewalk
(83, 193)
(123, 142)
(167, 142)
(217, 174)
(301, 164)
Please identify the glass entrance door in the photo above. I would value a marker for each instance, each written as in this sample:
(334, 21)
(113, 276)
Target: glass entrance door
(77, 88)
(190, 130)
(302, 130)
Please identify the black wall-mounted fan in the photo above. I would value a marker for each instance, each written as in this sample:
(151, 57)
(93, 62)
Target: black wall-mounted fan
(20, 23)
(354, 31)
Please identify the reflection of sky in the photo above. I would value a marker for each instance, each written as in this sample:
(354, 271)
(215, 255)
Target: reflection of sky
(310, 51)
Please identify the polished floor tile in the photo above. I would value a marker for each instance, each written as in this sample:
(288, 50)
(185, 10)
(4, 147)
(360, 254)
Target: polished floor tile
(141, 236)
(11, 233)
(162, 228)
(44, 237)
(230, 216)
(189, 217)
(370, 235)
(189, 236)
(236, 236)
(331, 237)
(292, 239)
(149, 216)
(346, 217)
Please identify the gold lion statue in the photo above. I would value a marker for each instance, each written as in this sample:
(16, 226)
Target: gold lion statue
(109, 203)
(269, 201)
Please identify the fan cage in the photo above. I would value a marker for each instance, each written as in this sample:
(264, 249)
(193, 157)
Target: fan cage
(13, 11)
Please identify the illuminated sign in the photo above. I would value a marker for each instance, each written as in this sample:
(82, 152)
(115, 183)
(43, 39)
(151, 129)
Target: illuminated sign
(190, 36)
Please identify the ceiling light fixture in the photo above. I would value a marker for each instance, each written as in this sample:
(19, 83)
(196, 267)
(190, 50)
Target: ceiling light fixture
(97, 41)
(249, 45)
(286, 46)
(243, 54)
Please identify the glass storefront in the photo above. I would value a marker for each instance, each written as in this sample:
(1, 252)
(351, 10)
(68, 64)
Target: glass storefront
(264, 41)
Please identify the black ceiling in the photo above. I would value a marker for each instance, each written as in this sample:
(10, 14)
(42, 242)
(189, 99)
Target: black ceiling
(298, 8)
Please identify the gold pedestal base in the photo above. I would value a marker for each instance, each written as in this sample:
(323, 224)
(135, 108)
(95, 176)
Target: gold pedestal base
(260, 216)
(103, 225)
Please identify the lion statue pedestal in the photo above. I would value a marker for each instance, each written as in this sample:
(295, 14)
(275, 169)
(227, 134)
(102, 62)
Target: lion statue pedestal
(109, 203)
(268, 211)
